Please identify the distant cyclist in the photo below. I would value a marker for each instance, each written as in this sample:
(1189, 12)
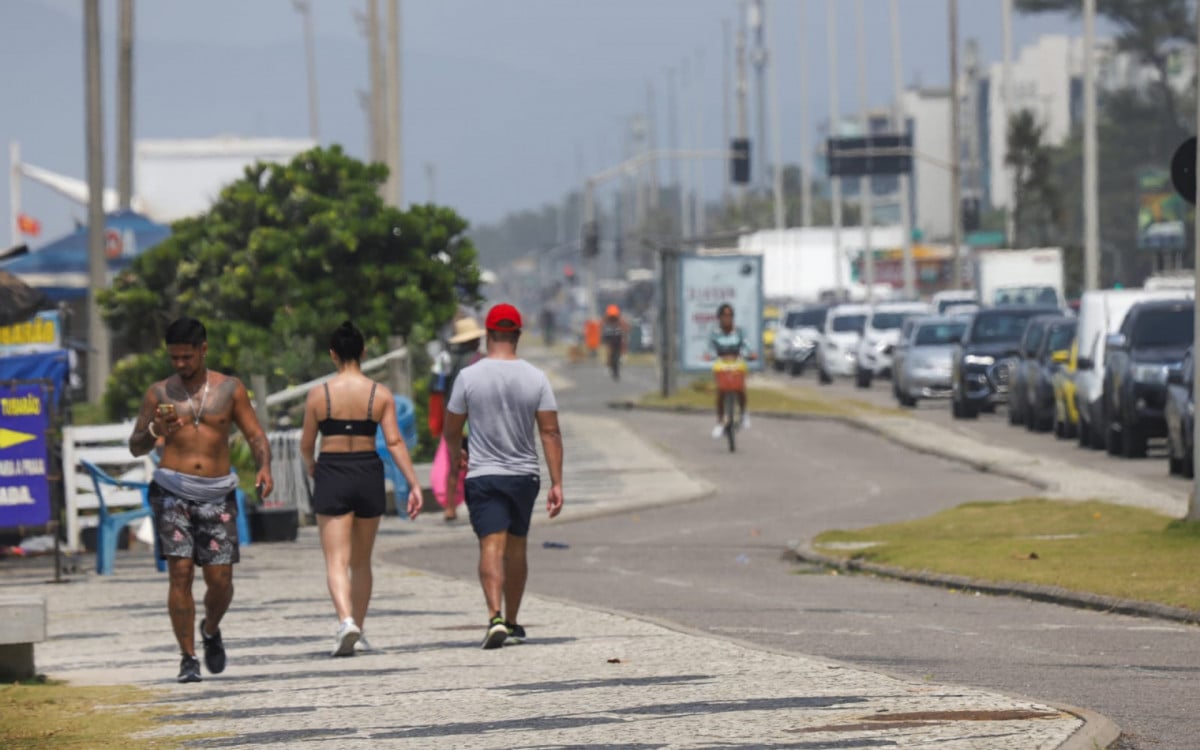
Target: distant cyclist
(728, 345)
(613, 335)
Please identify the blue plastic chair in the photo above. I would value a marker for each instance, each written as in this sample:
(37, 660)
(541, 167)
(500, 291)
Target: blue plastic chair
(109, 525)
(406, 419)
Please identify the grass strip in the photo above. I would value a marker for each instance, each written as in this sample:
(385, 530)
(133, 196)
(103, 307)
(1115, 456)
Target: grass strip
(1088, 547)
(701, 394)
(51, 715)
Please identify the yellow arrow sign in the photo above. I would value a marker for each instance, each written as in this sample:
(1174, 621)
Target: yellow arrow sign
(9, 438)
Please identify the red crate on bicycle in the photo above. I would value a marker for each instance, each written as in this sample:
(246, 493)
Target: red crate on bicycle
(730, 376)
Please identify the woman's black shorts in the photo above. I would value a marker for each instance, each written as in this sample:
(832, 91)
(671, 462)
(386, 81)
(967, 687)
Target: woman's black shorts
(349, 483)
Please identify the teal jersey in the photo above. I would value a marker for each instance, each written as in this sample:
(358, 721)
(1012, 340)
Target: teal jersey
(723, 344)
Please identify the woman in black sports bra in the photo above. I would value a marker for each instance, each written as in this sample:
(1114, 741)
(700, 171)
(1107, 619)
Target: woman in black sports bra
(348, 486)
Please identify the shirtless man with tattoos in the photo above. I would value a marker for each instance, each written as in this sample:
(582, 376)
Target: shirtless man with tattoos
(193, 492)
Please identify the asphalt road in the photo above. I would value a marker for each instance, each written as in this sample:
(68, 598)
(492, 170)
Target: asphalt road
(995, 429)
(719, 565)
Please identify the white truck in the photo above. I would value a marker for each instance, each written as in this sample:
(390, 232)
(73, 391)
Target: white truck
(1020, 277)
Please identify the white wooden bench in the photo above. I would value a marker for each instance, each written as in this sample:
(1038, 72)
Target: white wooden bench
(107, 446)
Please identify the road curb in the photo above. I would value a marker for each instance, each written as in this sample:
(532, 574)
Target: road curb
(1051, 594)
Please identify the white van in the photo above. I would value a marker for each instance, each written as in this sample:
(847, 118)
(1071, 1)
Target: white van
(1101, 312)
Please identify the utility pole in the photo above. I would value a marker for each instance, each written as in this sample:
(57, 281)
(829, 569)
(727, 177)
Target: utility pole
(1091, 190)
(431, 177)
(14, 190)
(375, 66)
(686, 229)
(834, 115)
(125, 106)
(806, 160)
(393, 81)
(698, 207)
(776, 148)
(98, 346)
(865, 194)
(652, 143)
(742, 89)
(672, 130)
(758, 23)
(901, 128)
(1006, 10)
(1193, 512)
(304, 8)
(726, 95)
(955, 152)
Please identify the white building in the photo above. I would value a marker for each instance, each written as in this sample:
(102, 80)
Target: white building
(928, 114)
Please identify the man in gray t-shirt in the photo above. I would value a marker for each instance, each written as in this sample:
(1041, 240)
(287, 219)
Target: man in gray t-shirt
(504, 398)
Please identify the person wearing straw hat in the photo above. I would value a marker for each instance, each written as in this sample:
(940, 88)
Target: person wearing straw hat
(463, 350)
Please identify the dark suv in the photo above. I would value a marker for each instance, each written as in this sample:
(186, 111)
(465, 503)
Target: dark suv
(1138, 362)
(984, 359)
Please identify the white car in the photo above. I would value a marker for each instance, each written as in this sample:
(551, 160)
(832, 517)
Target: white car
(796, 339)
(880, 336)
(837, 350)
(947, 297)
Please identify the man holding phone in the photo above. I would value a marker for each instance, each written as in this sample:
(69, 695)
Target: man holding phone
(193, 494)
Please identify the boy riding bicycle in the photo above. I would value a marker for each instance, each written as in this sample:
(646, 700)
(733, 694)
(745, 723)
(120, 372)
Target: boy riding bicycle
(729, 347)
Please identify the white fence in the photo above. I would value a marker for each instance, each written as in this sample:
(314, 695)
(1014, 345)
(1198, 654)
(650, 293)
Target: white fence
(107, 446)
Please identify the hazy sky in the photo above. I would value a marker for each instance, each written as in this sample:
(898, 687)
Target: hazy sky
(510, 101)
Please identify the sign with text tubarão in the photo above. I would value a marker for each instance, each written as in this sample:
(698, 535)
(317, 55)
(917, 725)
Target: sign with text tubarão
(705, 283)
(24, 489)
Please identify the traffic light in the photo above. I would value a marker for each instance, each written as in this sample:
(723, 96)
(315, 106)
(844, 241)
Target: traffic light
(970, 214)
(739, 161)
(870, 156)
(591, 239)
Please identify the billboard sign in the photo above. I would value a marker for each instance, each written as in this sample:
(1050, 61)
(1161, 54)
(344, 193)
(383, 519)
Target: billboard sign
(24, 489)
(42, 333)
(1162, 212)
(706, 282)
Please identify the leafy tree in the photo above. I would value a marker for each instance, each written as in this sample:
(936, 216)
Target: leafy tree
(1037, 206)
(286, 253)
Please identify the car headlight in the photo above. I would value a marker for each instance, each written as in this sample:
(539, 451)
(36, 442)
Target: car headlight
(1153, 374)
(801, 342)
(979, 359)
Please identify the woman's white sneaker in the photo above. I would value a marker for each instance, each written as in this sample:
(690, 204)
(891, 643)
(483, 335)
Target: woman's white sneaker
(347, 636)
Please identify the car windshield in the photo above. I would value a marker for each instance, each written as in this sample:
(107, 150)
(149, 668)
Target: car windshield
(805, 319)
(1061, 338)
(939, 334)
(887, 321)
(849, 323)
(1026, 295)
(1009, 326)
(943, 304)
(1166, 328)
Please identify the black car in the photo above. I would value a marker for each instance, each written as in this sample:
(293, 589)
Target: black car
(1050, 357)
(983, 361)
(1180, 421)
(1139, 359)
(1025, 365)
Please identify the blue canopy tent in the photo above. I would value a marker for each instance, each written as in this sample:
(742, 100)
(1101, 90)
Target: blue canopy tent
(60, 268)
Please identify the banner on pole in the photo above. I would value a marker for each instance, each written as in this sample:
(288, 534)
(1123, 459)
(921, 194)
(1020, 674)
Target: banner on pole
(706, 282)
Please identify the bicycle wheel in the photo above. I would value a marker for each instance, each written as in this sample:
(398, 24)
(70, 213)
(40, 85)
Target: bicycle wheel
(730, 419)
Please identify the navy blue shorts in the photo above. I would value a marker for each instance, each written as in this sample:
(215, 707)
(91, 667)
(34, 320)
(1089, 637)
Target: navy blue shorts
(499, 502)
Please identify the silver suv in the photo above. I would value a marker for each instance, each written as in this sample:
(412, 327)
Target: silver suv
(797, 336)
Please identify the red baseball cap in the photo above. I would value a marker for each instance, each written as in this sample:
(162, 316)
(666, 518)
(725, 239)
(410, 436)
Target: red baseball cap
(503, 317)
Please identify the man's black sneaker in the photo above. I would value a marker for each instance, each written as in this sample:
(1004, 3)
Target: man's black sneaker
(189, 669)
(516, 633)
(214, 650)
(496, 633)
